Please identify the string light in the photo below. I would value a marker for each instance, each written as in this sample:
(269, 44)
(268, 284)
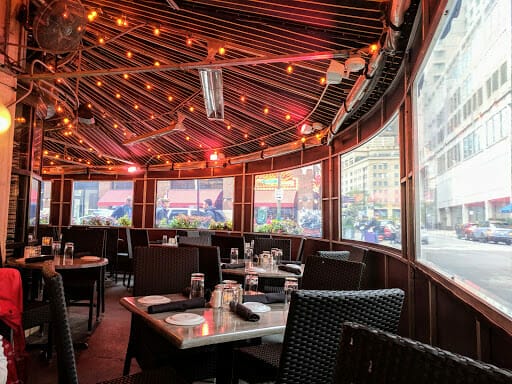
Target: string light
(101, 40)
(288, 116)
(289, 69)
(156, 31)
(170, 98)
(126, 76)
(243, 98)
(191, 108)
(322, 80)
(129, 54)
(265, 110)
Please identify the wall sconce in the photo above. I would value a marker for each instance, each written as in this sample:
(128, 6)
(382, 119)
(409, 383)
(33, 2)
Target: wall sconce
(211, 82)
(5, 118)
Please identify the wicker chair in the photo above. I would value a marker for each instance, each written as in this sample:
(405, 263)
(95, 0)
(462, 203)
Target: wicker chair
(262, 244)
(66, 364)
(209, 264)
(332, 274)
(225, 243)
(134, 238)
(368, 355)
(341, 255)
(164, 270)
(313, 332)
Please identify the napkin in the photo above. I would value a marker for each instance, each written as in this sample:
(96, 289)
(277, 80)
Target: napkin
(197, 302)
(232, 266)
(267, 298)
(244, 312)
(290, 268)
(284, 262)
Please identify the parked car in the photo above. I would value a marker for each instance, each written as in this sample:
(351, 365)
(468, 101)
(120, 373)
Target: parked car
(495, 231)
(465, 231)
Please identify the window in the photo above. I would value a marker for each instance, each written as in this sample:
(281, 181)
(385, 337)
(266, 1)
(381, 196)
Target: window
(102, 203)
(463, 200)
(370, 208)
(194, 203)
(289, 202)
(44, 203)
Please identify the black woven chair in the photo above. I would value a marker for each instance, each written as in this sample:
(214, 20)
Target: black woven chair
(81, 285)
(340, 255)
(332, 274)
(164, 270)
(209, 264)
(225, 243)
(194, 240)
(134, 238)
(266, 244)
(313, 332)
(368, 355)
(38, 314)
(66, 365)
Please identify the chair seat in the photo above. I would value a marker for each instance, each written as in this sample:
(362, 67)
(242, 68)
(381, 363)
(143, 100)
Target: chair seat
(265, 356)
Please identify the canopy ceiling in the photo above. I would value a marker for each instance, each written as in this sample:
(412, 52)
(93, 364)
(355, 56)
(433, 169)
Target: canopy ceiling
(135, 83)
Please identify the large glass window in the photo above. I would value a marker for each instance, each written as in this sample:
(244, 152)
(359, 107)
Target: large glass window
(289, 202)
(370, 188)
(463, 195)
(44, 203)
(195, 203)
(102, 203)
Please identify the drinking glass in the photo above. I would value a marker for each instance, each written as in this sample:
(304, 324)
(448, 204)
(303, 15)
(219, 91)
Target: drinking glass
(290, 284)
(56, 248)
(164, 239)
(229, 294)
(69, 248)
(234, 255)
(197, 285)
(251, 283)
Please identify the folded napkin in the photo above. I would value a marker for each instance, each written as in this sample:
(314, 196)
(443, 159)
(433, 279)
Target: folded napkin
(196, 302)
(244, 312)
(284, 262)
(290, 268)
(232, 266)
(267, 298)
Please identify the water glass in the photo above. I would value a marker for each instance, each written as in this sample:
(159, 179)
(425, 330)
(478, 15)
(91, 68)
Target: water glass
(164, 239)
(229, 294)
(197, 285)
(251, 283)
(234, 255)
(290, 284)
(69, 249)
(56, 248)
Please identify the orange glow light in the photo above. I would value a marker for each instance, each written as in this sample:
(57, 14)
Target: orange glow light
(118, 95)
(265, 110)
(116, 126)
(222, 51)
(156, 31)
(288, 116)
(148, 86)
(101, 40)
(243, 98)
(373, 48)
(136, 106)
(129, 54)
(126, 76)
(65, 120)
(289, 69)
(322, 80)
(157, 63)
(191, 108)
(170, 98)
(189, 41)
(99, 83)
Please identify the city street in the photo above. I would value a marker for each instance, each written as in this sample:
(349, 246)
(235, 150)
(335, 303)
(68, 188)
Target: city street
(486, 268)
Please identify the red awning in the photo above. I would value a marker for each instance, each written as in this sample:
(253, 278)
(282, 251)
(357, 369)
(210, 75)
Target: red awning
(186, 198)
(115, 197)
(268, 199)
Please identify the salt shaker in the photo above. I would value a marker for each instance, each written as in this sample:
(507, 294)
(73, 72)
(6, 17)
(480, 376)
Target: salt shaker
(216, 299)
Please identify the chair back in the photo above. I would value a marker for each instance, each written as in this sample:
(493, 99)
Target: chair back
(368, 355)
(262, 244)
(136, 237)
(300, 250)
(209, 264)
(194, 240)
(225, 243)
(332, 274)
(87, 241)
(66, 364)
(340, 255)
(313, 329)
(161, 270)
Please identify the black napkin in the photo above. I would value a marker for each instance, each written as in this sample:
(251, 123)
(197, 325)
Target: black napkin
(267, 298)
(284, 262)
(244, 312)
(196, 302)
(232, 266)
(290, 268)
